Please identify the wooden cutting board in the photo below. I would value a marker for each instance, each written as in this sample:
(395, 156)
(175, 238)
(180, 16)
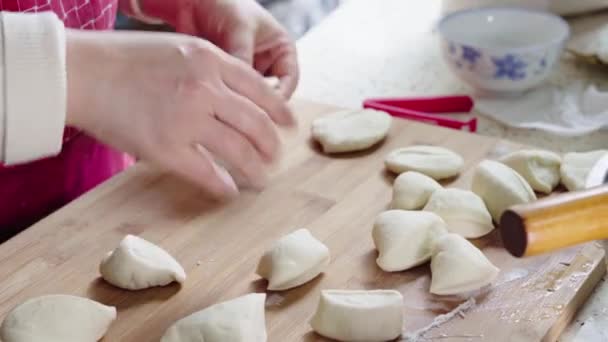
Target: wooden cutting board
(337, 198)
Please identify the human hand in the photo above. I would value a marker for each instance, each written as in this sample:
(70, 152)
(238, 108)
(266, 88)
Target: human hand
(240, 27)
(177, 101)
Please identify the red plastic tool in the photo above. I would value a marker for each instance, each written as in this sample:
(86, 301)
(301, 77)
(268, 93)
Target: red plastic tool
(424, 108)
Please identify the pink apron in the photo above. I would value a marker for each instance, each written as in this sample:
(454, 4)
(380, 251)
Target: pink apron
(31, 191)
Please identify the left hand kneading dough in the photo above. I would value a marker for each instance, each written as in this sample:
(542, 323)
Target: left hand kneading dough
(238, 320)
(293, 260)
(357, 315)
(351, 130)
(138, 264)
(57, 318)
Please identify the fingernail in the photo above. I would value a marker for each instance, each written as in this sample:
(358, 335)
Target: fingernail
(227, 180)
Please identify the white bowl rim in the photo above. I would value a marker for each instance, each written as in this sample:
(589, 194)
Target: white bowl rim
(535, 46)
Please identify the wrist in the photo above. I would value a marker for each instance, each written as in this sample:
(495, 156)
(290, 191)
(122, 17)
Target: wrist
(80, 57)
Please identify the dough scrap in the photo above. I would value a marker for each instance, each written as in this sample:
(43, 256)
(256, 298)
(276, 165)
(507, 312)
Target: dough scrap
(293, 260)
(412, 190)
(500, 187)
(351, 130)
(357, 315)
(238, 320)
(538, 167)
(576, 166)
(138, 264)
(405, 239)
(57, 318)
(463, 211)
(457, 266)
(433, 161)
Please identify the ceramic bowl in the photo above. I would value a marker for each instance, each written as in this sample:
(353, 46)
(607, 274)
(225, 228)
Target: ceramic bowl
(502, 50)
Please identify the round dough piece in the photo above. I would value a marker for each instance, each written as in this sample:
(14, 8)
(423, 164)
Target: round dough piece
(57, 318)
(351, 130)
(138, 264)
(238, 320)
(412, 190)
(539, 168)
(500, 187)
(576, 166)
(357, 315)
(294, 259)
(433, 161)
(405, 239)
(463, 211)
(458, 266)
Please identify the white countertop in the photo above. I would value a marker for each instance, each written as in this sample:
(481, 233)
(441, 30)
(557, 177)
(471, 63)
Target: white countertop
(388, 48)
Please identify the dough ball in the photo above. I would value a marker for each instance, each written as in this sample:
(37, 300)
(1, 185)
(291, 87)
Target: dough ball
(138, 264)
(273, 82)
(294, 260)
(539, 168)
(57, 318)
(500, 187)
(435, 162)
(576, 166)
(351, 130)
(412, 190)
(458, 266)
(357, 315)
(405, 239)
(463, 212)
(238, 320)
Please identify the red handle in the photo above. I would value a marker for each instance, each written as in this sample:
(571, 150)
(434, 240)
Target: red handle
(422, 109)
(436, 104)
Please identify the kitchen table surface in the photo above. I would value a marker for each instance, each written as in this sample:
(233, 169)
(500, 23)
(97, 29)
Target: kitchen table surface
(389, 48)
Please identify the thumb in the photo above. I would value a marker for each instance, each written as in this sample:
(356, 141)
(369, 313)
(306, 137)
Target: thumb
(240, 44)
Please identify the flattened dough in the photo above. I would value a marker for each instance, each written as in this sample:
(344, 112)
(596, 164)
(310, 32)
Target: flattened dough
(500, 187)
(458, 266)
(351, 130)
(433, 161)
(57, 318)
(538, 167)
(138, 264)
(357, 315)
(293, 260)
(576, 166)
(405, 239)
(463, 211)
(238, 320)
(412, 190)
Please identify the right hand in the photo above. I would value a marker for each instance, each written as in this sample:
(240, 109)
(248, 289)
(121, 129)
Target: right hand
(176, 101)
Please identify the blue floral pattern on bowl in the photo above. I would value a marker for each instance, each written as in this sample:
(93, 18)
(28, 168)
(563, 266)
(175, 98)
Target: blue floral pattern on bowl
(499, 67)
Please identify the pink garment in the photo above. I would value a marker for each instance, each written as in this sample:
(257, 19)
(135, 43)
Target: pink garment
(31, 191)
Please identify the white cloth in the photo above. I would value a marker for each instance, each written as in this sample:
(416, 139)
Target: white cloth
(33, 86)
(573, 109)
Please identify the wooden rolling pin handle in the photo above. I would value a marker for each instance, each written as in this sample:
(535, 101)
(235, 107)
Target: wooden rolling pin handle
(556, 222)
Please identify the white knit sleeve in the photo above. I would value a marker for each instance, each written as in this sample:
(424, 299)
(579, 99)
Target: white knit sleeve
(33, 86)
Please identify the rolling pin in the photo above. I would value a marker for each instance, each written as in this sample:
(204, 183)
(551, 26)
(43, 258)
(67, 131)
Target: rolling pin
(556, 222)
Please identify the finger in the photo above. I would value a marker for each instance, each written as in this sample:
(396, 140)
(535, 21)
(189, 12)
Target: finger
(286, 69)
(240, 44)
(236, 151)
(263, 61)
(252, 122)
(245, 81)
(196, 165)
